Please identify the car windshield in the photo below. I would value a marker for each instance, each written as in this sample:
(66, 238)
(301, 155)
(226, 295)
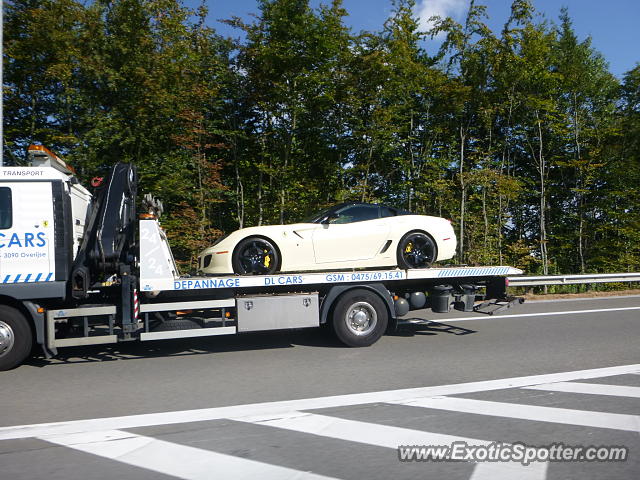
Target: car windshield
(318, 216)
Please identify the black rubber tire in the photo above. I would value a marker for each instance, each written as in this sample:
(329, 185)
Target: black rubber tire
(177, 324)
(428, 244)
(258, 268)
(22, 337)
(346, 304)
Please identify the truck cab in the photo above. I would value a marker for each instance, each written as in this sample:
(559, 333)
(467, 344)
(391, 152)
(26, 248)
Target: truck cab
(43, 216)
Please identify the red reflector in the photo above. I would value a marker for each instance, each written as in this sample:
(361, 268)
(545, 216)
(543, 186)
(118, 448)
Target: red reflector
(225, 251)
(446, 239)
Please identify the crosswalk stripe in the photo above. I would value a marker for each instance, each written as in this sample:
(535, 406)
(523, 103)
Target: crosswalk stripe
(590, 388)
(509, 471)
(173, 459)
(392, 437)
(166, 418)
(616, 421)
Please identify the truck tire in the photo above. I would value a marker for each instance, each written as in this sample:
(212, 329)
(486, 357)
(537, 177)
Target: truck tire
(178, 324)
(16, 338)
(360, 318)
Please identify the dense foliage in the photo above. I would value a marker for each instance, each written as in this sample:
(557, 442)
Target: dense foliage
(523, 138)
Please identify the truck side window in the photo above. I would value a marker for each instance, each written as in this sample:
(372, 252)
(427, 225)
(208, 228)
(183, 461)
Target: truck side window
(6, 210)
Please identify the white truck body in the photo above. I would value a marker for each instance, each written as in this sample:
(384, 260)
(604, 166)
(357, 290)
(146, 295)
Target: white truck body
(77, 270)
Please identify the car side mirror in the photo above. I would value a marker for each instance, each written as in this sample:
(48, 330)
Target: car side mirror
(332, 216)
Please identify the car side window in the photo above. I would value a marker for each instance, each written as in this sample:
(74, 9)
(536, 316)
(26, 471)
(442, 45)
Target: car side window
(387, 212)
(356, 213)
(6, 208)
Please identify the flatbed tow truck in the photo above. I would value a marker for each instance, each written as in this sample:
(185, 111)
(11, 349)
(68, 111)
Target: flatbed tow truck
(81, 268)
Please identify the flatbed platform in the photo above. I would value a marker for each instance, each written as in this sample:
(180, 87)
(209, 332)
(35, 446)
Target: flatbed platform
(321, 278)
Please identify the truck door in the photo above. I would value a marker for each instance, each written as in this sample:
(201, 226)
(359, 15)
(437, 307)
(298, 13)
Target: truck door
(26, 232)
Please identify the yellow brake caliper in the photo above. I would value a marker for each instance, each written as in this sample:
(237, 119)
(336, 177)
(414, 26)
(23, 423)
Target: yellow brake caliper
(408, 248)
(267, 259)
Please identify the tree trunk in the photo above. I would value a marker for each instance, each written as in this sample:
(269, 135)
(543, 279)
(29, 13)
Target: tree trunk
(580, 184)
(260, 198)
(543, 201)
(365, 186)
(239, 191)
(463, 197)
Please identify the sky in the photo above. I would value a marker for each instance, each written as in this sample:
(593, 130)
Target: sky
(612, 24)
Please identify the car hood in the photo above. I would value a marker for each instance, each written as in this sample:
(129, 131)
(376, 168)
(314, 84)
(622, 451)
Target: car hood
(273, 232)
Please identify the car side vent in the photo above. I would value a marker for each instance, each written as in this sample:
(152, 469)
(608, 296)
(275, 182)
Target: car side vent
(386, 246)
(206, 261)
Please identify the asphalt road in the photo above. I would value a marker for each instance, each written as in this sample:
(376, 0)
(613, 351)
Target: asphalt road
(341, 435)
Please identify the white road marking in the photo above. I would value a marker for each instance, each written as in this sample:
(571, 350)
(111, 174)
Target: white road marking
(518, 315)
(582, 299)
(356, 431)
(509, 471)
(589, 388)
(392, 437)
(274, 408)
(173, 459)
(616, 421)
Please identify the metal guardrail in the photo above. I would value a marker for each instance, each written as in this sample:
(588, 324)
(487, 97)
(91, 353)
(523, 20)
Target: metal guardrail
(573, 279)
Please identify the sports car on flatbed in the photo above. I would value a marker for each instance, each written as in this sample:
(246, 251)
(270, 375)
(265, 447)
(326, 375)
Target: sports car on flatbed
(349, 235)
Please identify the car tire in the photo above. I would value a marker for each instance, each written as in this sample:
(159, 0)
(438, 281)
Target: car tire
(255, 256)
(416, 250)
(360, 318)
(16, 338)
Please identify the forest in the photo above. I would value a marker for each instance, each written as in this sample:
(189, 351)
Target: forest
(522, 137)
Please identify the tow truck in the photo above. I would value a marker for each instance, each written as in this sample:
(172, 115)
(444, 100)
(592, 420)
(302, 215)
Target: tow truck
(81, 267)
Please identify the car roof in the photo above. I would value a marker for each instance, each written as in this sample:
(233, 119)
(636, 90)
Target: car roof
(344, 204)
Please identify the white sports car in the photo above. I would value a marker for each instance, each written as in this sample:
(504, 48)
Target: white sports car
(349, 235)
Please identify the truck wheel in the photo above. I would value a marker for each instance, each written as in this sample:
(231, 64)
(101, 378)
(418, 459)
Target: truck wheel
(360, 318)
(16, 338)
(178, 324)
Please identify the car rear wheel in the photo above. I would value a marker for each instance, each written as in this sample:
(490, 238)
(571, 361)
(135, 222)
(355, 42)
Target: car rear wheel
(255, 256)
(416, 250)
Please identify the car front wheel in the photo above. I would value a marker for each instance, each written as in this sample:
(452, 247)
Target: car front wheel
(255, 256)
(416, 250)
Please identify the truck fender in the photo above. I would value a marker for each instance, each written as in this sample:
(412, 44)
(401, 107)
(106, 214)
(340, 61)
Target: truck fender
(334, 292)
(38, 320)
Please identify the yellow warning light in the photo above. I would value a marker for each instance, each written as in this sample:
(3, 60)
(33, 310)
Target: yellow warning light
(44, 151)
